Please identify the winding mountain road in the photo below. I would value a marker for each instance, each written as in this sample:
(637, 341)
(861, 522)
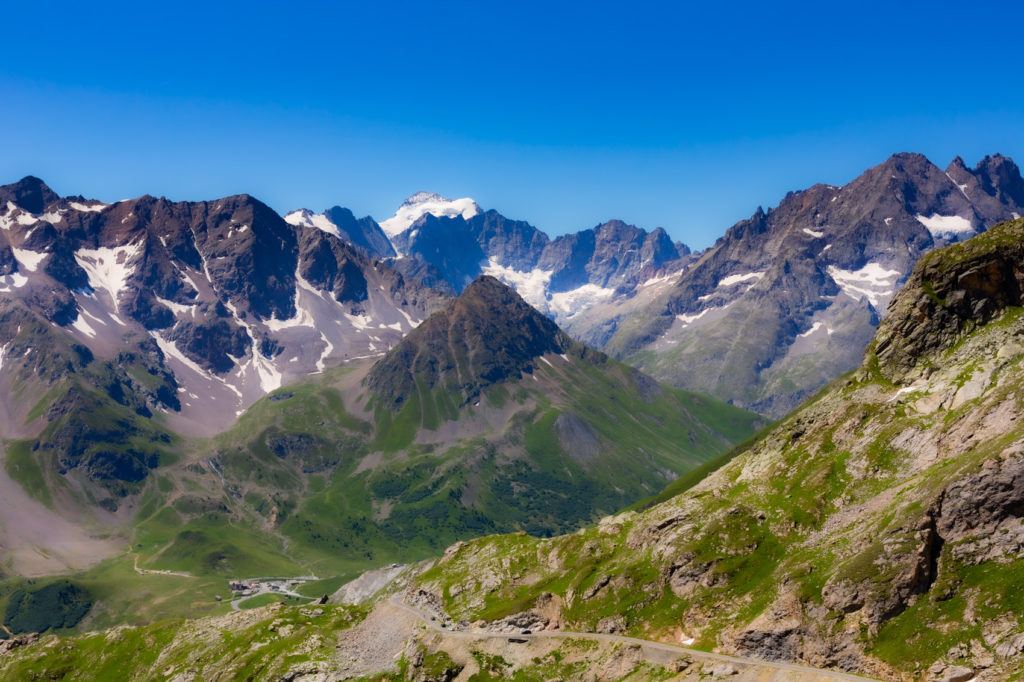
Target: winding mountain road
(804, 671)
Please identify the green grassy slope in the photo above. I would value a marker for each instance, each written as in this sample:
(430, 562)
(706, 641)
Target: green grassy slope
(302, 467)
(525, 430)
(874, 529)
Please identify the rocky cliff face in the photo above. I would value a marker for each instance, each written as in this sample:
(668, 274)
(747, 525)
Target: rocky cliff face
(788, 299)
(877, 529)
(953, 291)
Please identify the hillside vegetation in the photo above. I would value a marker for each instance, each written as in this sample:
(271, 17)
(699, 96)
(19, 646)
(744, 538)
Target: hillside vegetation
(876, 529)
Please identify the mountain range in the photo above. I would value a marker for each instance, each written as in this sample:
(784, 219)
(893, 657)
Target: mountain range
(130, 326)
(781, 304)
(449, 243)
(238, 301)
(788, 299)
(230, 393)
(874, 530)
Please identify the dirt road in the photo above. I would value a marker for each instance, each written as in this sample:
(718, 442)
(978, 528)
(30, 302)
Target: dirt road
(655, 652)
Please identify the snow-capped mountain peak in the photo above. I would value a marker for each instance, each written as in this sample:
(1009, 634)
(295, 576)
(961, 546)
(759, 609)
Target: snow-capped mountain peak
(303, 217)
(422, 203)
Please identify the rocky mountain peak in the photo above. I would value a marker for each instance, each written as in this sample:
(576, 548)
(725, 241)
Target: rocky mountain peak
(30, 193)
(1000, 177)
(488, 335)
(906, 161)
(363, 233)
(422, 197)
(957, 162)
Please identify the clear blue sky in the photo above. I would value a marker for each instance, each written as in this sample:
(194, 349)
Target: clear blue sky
(682, 115)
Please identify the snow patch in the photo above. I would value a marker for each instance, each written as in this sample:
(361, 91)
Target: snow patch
(92, 317)
(408, 318)
(170, 349)
(546, 361)
(86, 208)
(945, 225)
(303, 315)
(176, 308)
(81, 325)
(962, 188)
(816, 235)
(13, 281)
(329, 347)
(532, 285)
(188, 278)
(657, 280)
(815, 327)
(29, 259)
(109, 268)
(872, 281)
(569, 303)
(360, 322)
(422, 203)
(687, 319)
(904, 391)
(306, 218)
(736, 279)
(269, 377)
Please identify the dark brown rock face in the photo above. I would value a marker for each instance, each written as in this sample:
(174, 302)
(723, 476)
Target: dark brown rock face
(487, 335)
(949, 292)
(206, 271)
(981, 513)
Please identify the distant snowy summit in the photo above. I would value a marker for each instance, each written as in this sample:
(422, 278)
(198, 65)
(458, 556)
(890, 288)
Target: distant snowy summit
(423, 203)
(448, 243)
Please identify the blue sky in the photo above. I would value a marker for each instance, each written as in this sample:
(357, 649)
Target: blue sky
(674, 114)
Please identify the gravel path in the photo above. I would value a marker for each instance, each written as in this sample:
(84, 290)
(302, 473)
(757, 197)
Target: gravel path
(803, 672)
